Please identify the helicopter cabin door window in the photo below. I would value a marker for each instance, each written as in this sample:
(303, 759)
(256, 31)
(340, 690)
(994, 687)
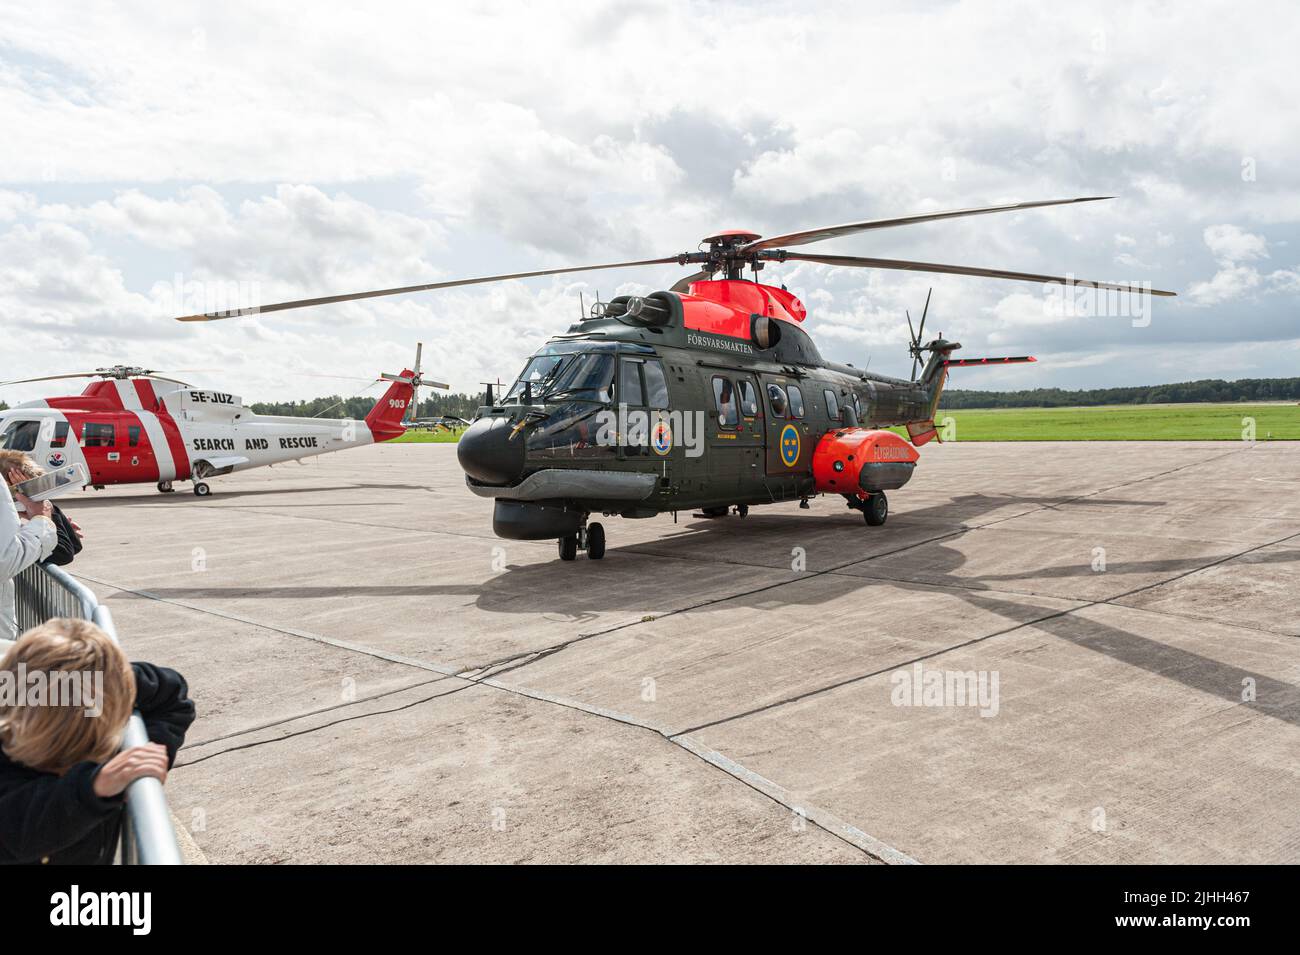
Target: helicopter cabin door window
(777, 400)
(656, 385)
(796, 401)
(748, 399)
(95, 435)
(832, 405)
(60, 434)
(630, 392)
(724, 397)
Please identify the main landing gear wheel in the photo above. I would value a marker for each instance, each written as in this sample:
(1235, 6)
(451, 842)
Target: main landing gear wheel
(590, 539)
(165, 487)
(201, 489)
(742, 510)
(875, 509)
(595, 541)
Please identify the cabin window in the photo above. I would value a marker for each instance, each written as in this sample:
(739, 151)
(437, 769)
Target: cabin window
(832, 405)
(748, 399)
(656, 385)
(724, 396)
(98, 435)
(629, 383)
(796, 402)
(133, 435)
(60, 434)
(20, 436)
(776, 398)
(857, 407)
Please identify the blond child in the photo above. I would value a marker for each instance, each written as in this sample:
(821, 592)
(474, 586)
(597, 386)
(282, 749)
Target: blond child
(66, 693)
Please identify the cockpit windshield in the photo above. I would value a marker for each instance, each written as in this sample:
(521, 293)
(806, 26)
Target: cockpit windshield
(571, 376)
(20, 436)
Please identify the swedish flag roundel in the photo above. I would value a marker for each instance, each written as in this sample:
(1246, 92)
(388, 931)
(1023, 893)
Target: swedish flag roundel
(790, 445)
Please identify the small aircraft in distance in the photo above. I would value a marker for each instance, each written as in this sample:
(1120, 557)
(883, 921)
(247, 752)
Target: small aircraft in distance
(135, 426)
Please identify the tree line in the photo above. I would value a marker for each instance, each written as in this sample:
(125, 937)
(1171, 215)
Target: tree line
(1206, 389)
(335, 406)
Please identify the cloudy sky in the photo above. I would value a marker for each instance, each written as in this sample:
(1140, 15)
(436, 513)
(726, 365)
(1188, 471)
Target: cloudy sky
(159, 156)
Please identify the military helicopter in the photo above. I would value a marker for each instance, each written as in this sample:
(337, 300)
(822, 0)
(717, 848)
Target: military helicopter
(707, 396)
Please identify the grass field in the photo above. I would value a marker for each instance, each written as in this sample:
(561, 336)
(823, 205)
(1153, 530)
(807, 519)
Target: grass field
(1180, 422)
(428, 437)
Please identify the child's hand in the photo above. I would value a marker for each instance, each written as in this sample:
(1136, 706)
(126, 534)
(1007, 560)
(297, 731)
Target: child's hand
(128, 766)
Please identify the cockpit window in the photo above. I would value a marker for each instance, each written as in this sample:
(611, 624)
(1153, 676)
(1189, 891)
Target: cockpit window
(571, 376)
(20, 436)
(538, 375)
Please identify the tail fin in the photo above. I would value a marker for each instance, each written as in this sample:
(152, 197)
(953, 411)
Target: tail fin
(936, 376)
(385, 418)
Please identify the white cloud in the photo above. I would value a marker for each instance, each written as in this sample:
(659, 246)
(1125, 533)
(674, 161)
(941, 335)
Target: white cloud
(1231, 244)
(145, 141)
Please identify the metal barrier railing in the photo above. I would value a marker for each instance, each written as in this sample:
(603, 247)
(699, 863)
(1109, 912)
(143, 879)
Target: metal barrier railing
(148, 837)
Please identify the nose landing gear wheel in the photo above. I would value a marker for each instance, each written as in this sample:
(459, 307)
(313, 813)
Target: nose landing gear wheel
(201, 489)
(595, 541)
(569, 547)
(875, 510)
(165, 487)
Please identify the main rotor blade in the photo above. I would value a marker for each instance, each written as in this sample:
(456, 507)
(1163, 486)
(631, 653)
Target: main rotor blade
(354, 296)
(831, 232)
(79, 374)
(174, 381)
(853, 261)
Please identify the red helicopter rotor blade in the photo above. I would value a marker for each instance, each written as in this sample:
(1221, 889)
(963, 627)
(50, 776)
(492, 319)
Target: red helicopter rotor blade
(835, 231)
(354, 296)
(854, 261)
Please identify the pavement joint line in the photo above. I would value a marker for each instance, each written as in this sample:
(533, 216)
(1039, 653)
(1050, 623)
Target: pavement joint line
(316, 712)
(826, 820)
(760, 784)
(959, 531)
(288, 631)
(321, 726)
(1109, 601)
(823, 819)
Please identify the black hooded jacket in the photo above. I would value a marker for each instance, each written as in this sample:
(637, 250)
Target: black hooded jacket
(45, 818)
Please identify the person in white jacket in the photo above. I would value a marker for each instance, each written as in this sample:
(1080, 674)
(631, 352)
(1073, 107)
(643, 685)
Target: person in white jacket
(22, 543)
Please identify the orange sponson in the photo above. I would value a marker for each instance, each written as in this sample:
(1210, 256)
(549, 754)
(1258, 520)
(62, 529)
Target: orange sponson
(862, 461)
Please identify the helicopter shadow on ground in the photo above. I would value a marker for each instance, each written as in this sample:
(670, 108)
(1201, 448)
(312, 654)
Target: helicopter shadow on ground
(589, 589)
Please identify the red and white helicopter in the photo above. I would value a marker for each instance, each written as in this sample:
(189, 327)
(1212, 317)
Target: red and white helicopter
(135, 426)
